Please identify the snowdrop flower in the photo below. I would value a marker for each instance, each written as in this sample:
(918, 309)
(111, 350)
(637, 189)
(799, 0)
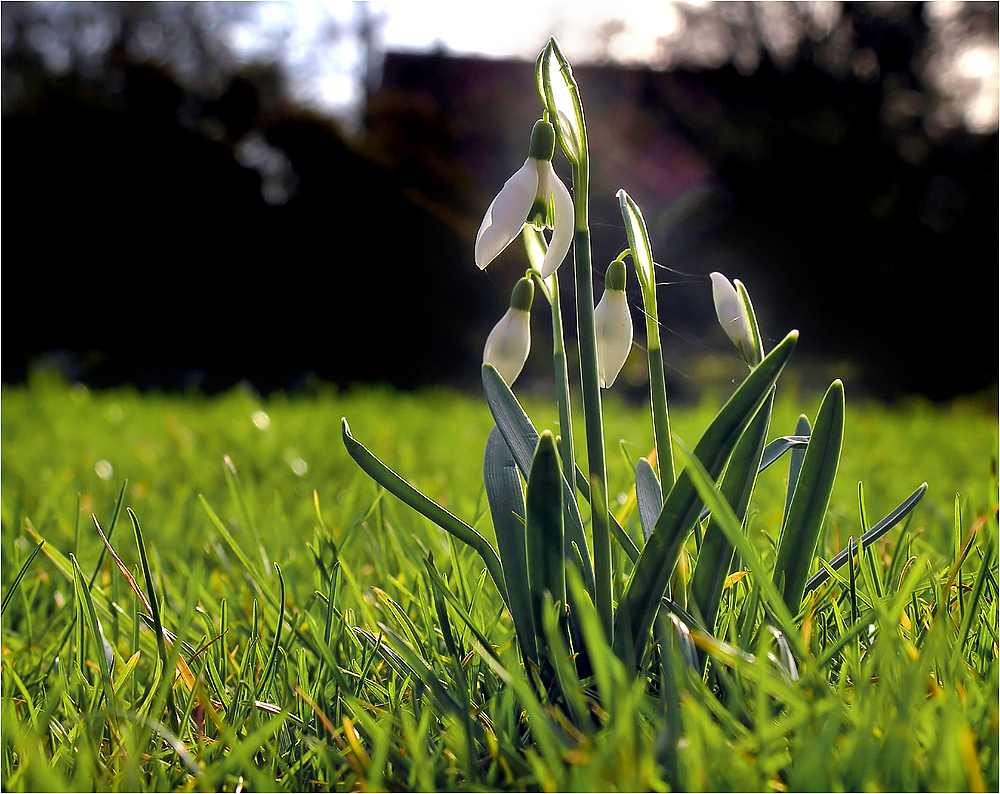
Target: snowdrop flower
(732, 313)
(535, 195)
(613, 325)
(508, 344)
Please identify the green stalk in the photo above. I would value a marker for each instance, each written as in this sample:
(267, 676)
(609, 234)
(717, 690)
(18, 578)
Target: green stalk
(642, 258)
(535, 245)
(592, 414)
(566, 446)
(561, 97)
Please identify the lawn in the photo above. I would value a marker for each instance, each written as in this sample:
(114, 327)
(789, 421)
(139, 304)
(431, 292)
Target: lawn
(333, 638)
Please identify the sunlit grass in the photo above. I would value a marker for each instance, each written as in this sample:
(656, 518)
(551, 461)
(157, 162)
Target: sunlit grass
(228, 491)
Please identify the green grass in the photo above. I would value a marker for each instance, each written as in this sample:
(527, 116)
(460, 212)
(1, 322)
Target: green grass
(252, 516)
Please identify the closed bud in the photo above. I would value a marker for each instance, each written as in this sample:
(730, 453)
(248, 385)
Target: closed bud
(732, 314)
(613, 326)
(509, 342)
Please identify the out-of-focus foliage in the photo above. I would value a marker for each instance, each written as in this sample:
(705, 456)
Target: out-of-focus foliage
(834, 157)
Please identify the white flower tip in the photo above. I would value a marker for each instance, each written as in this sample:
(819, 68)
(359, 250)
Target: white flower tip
(728, 307)
(508, 345)
(613, 327)
(505, 216)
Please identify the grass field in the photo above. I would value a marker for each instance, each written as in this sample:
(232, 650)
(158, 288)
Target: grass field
(333, 638)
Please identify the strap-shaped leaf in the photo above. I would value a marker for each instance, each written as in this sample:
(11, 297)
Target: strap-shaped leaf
(105, 655)
(772, 454)
(775, 449)
(811, 497)
(737, 486)
(405, 492)
(891, 519)
(647, 496)
(648, 582)
(733, 529)
(503, 490)
(544, 529)
(522, 438)
(802, 428)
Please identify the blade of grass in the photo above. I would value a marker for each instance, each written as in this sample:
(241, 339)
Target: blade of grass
(20, 575)
(98, 634)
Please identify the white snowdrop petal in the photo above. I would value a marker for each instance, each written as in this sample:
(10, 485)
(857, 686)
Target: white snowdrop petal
(613, 326)
(565, 222)
(505, 217)
(508, 344)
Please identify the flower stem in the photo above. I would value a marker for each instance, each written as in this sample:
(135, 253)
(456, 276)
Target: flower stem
(658, 403)
(550, 289)
(593, 419)
(642, 257)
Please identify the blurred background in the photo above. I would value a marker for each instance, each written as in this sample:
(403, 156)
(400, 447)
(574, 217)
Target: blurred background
(200, 194)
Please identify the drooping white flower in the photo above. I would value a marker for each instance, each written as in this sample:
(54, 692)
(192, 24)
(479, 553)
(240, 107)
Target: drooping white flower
(613, 326)
(509, 342)
(731, 313)
(536, 195)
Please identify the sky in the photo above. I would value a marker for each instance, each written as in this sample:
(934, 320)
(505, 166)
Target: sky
(515, 29)
(320, 47)
(523, 27)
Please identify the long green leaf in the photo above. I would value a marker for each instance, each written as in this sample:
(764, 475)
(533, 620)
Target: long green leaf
(802, 428)
(716, 555)
(265, 678)
(406, 493)
(648, 497)
(522, 439)
(775, 449)
(503, 491)
(648, 582)
(733, 530)
(811, 499)
(894, 517)
(544, 531)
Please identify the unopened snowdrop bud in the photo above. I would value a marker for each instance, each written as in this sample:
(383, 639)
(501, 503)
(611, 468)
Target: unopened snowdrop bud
(613, 325)
(732, 313)
(508, 344)
(536, 195)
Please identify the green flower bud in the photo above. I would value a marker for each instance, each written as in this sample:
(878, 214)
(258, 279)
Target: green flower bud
(543, 141)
